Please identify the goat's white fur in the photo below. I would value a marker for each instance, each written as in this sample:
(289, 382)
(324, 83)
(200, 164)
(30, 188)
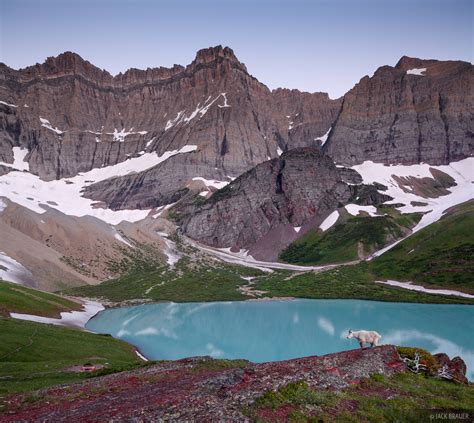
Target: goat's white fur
(365, 336)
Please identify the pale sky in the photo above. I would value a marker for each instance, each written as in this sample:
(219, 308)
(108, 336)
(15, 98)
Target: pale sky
(312, 45)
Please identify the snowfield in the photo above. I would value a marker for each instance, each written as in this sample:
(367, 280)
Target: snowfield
(68, 318)
(329, 221)
(324, 137)
(19, 163)
(419, 288)
(65, 194)
(416, 71)
(355, 210)
(462, 172)
(12, 271)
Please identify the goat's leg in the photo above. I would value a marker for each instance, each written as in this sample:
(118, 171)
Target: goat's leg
(361, 343)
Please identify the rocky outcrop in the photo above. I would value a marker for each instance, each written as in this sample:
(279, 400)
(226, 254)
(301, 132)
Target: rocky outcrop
(301, 185)
(200, 389)
(454, 369)
(418, 111)
(74, 117)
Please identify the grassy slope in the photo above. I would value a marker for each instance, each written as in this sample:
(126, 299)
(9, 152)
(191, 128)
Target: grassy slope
(340, 243)
(441, 254)
(449, 239)
(411, 398)
(19, 299)
(35, 355)
(192, 282)
(187, 282)
(345, 282)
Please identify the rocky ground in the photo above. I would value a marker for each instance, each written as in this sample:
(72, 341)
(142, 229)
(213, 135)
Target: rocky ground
(200, 389)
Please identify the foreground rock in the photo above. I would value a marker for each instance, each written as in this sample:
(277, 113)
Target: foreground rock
(198, 389)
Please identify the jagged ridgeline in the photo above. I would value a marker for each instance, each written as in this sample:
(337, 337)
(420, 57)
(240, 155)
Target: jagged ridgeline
(233, 164)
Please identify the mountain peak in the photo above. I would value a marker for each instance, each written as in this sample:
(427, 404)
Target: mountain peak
(406, 63)
(64, 64)
(212, 54)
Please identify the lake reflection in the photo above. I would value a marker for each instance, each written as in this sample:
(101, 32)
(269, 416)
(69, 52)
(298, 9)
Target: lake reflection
(279, 330)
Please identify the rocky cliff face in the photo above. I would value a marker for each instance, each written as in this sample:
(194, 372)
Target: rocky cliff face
(74, 117)
(71, 117)
(302, 184)
(417, 111)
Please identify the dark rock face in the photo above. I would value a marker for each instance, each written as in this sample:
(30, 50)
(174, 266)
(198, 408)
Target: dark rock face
(306, 117)
(95, 120)
(400, 117)
(301, 184)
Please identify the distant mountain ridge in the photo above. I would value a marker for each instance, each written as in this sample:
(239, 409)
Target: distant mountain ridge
(418, 111)
(140, 143)
(213, 103)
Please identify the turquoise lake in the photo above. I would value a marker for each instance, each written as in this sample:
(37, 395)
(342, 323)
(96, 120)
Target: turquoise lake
(278, 330)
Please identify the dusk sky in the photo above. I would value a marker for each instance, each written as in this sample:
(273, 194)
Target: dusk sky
(310, 45)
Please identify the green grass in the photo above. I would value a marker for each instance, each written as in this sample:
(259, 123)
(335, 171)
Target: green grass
(341, 243)
(18, 299)
(188, 281)
(410, 398)
(198, 282)
(35, 355)
(442, 254)
(215, 281)
(345, 282)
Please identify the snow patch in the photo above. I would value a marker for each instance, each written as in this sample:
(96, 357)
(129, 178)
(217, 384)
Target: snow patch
(120, 238)
(225, 101)
(416, 71)
(19, 186)
(297, 228)
(461, 171)
(19, 162)
(68, 318)
(324, 137)
(150, 142)
(279, 151)
(174, 121)
(8, 104)
(45, 123)
(329, 221)
(355, 209)
(170, 250)
(140, 355)
(120, 135)
(12, 271)
(211, 182)
(161, 210)
(419, 288)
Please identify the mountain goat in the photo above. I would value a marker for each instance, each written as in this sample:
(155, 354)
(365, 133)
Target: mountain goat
(365, 336)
